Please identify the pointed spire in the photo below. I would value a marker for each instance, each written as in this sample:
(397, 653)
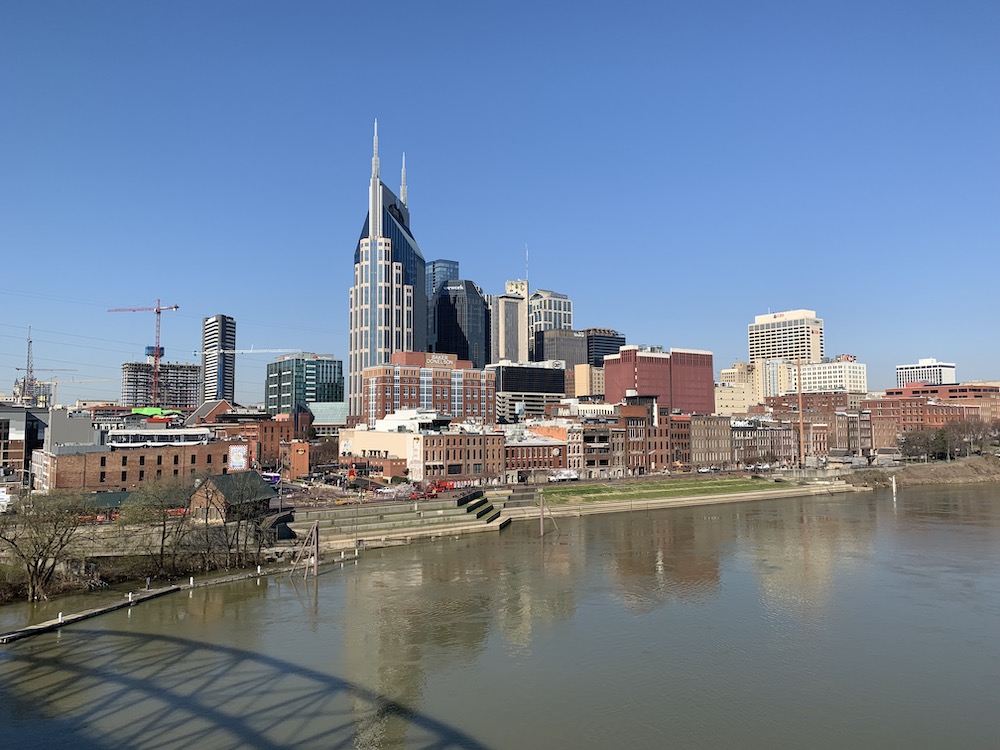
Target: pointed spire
(402, 185)
(375, 195)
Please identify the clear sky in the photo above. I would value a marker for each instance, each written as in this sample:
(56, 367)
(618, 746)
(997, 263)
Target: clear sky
(676, 168)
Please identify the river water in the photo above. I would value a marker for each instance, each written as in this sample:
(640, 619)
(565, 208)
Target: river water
(849, 621)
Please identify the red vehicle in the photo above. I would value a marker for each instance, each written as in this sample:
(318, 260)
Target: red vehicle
(427, 494)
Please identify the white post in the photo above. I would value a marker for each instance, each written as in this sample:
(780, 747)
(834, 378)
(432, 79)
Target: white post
(129, 597)
(60, 618)
(191, 583)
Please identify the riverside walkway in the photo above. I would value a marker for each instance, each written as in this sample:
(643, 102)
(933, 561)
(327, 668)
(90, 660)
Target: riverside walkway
(625, 505)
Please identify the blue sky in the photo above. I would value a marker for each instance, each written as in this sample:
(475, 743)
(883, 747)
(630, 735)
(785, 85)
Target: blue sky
(676, 168)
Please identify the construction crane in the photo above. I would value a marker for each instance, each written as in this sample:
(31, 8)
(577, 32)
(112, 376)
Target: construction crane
(55, 385)
(28, 395)
(156, 344)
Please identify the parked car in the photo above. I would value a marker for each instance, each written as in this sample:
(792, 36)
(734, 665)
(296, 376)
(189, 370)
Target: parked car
(703, 470)
(424, 495)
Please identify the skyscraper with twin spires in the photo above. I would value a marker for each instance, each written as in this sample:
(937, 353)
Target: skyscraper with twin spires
(388, 298)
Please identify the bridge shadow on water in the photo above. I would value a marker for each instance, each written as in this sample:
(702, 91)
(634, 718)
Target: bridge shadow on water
(101, 689)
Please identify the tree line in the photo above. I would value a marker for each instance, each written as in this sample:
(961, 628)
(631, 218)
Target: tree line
(69, 541)
(961, 438)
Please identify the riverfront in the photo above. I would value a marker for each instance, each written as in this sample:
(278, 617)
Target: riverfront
(825, 622)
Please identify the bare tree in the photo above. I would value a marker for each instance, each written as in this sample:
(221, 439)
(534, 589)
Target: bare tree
(157, 516)
(976, 432)
(40, 534)
(916, 444)
(229, 522)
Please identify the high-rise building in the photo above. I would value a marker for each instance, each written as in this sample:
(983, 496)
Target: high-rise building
(460, 325)
(524, 389)
(681, 380)
(588, 382)
(509, 323)
(796, 335)
(548, 311)
(568, 346)
(600, 343)
(928, 371)
(388, 299)
(842, 373)
(441, 383)
(179, 385)
(295, 380)
(218, 358)
(438, 272)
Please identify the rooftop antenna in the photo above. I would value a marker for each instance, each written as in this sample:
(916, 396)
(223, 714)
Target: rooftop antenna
(526, 263)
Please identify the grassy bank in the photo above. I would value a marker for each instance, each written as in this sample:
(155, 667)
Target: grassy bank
(972, 470)
(619, 491)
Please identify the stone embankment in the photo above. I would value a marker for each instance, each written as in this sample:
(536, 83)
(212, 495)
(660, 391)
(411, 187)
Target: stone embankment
(624, 506)
(972, 470)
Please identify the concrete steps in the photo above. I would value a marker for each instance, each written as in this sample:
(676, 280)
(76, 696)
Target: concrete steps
(394, 523)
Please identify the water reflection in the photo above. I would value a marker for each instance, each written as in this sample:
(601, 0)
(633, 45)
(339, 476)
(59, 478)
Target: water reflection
(658, 557)
(180, 692)
(632, 625)
(801, 548)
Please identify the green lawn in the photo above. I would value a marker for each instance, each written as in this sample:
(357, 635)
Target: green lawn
(573, 492)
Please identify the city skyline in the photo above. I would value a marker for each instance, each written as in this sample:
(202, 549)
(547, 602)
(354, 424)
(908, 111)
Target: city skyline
(788, 157)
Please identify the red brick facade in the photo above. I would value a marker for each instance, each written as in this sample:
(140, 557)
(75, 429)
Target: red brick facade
(439, 382)
(113, 470)
(681, 380)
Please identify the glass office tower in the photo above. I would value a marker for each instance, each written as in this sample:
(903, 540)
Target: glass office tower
(388, 299)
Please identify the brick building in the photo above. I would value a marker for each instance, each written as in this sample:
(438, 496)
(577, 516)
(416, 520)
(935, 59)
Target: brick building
(268, 436)
(711, 442)
(682, 380)
(429, 381)
(97, 468)
(532, 455)
(986, 397)
(459, 456)
(894, 417)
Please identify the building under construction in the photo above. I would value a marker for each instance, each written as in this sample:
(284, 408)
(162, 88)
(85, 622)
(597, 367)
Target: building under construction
(179, 385)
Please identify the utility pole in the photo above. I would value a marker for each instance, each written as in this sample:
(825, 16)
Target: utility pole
(802, 447)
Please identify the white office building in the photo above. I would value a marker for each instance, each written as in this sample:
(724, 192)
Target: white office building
(838, 376)
(218, 358)
(928, 371)
(509, 323)
(796, 335)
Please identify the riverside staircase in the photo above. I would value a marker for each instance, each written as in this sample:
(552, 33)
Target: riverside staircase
(383, 524)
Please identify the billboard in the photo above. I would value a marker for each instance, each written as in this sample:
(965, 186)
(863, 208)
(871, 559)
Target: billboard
(238, 458)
